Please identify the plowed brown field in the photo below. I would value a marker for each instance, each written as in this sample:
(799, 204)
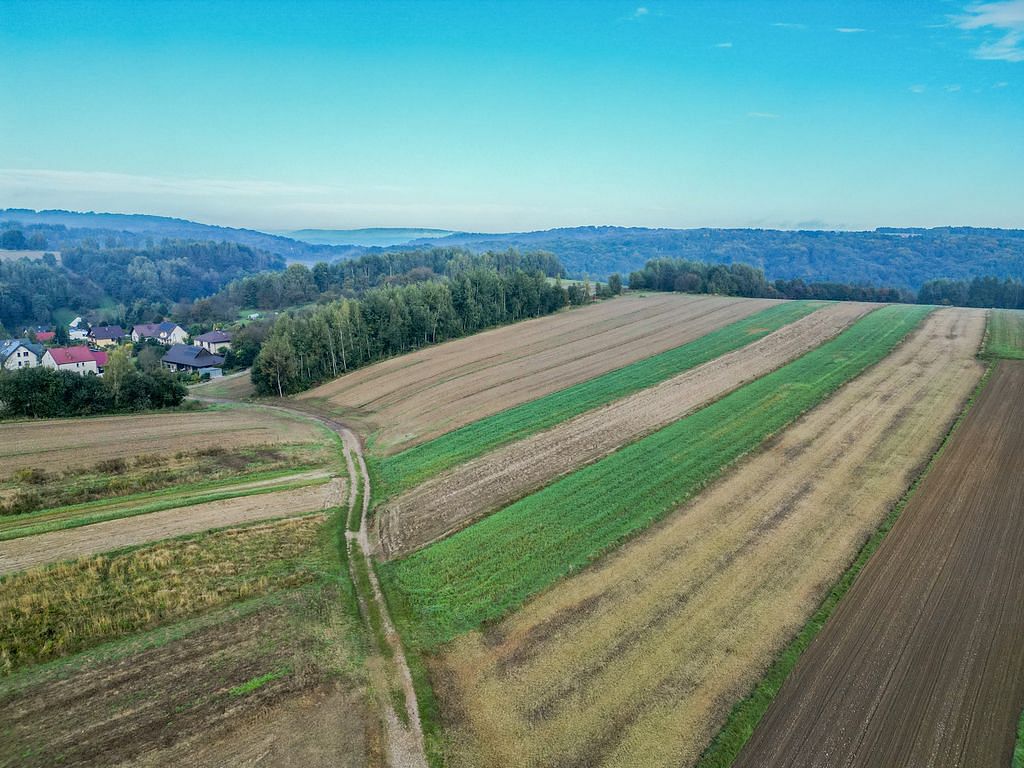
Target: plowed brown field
(922, 663)
(638, 660)
(415, 397)
(29, 551)
(62, 443)
(456, 498)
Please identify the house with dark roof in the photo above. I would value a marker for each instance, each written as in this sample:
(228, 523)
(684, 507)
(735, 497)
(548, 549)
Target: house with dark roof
(19, 353)
(166, 333)
(184, 357)
(107, 335)
(79, 359)
(214, 341)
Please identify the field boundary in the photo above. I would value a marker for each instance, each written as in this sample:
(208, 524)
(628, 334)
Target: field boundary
(745, 715)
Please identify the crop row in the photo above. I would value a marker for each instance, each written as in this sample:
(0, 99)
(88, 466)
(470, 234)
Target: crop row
(493, 566)
(413, 466)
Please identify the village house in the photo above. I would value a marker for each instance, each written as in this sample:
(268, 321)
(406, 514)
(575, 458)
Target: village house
(165, 333)
(214, 341)
(19, 353)
(106, 335)
(78, 329)
(80, 360)
(183, 357)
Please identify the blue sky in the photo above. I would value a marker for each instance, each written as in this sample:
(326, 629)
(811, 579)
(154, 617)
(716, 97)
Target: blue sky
(510, 116)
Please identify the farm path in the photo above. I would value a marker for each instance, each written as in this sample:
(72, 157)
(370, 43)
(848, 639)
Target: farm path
(638, 659)
(403, 743)
(30, 551)
(412, 398)
(458, 497)
(923, 661)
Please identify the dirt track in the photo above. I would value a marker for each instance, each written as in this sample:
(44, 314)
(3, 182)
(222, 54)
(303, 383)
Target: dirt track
(62, 443)
(415, 397)
(29, 551)
(923, 662)
(456, 498)
(638, 660)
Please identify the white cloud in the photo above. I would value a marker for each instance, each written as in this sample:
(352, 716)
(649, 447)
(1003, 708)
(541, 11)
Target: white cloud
(952, 88)
(918, 88)
(1005, 17)
(850, 30)
(723, 45)
(764, 115)
(1000, 84)
(789, 25)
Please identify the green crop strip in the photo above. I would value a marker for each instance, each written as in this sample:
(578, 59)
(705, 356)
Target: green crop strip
(492, 567)
(1006, 334)
(1018, 752)
(415, 465)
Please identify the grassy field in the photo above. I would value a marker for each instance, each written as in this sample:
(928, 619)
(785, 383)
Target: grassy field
(491, 567)
(49, 612)
(1006, 334)
(416, 464)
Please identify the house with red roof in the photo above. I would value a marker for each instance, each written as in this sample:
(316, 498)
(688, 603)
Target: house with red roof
(80, 360)
(45, 337)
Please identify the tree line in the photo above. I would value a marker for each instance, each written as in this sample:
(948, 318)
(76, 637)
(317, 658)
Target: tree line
(45, 393)
(745, 280)
(300, 284)
(303, 349)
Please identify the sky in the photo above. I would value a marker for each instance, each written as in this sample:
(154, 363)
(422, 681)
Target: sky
(510, 116)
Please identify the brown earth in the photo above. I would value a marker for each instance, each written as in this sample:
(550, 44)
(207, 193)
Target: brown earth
(172, 704)
(415, 397)
(638, 660)
(61, 443)
(454, 499)
(922, 663)
(29, 551)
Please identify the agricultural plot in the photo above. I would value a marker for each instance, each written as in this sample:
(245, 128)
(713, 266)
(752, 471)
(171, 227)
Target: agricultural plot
(71, 443)
(638, 659)
(273, 679)
(416, 397)
(486, 570)
(930, 634)
(423, 461)
(1006, 334)
(29, 551)
(454, 499)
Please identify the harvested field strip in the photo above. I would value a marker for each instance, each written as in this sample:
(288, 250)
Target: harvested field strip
(52, 611)
(30, 551)
(491, 567)
(454, 499)
(416, 397)
(63, 518)
(131, 700)
(638, 659)
(1006, 334)
(413, 466)
(83, 442)
(930, 634)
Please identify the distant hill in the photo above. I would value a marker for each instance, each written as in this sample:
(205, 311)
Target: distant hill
(65, 229)
(903, 258)
(380, 237)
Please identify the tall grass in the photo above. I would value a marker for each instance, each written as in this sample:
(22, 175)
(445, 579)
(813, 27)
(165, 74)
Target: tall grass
(491, 567)
(1006, 334)
(52, 611)
(411, 467)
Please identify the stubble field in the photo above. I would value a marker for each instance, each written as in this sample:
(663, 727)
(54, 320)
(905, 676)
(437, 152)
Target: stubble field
(413, 398)
(640, 658)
